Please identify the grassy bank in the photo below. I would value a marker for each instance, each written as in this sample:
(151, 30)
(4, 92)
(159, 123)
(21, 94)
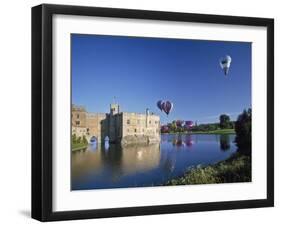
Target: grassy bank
(235, 169)
(219, 131)
(78, 146)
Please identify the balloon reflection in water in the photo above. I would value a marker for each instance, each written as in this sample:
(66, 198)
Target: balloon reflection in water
(178, 142)
(181, 143)
(189, 142)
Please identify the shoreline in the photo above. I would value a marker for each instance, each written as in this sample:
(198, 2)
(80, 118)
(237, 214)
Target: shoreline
(236, 168)
(78, 147)
(218, 132)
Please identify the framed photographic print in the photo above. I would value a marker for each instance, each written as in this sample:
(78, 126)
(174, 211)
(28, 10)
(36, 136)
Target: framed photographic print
(146, 112)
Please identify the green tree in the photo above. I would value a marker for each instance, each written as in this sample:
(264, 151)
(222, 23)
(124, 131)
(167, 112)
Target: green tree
(243, 129)
(74, 139)
(174, 126)
(224, 121)
(79, 140)
(84, 140)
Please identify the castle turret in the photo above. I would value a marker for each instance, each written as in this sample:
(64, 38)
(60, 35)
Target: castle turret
(146, 117)
(114, 109)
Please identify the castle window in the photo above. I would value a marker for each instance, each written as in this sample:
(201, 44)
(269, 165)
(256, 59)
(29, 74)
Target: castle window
(88, 129)
(128, 130)
(156, 122)
(77, 123)
(77, 115)
(142, 130)
(128, 121)
(138, 121)
(135, 130)
(149, 122)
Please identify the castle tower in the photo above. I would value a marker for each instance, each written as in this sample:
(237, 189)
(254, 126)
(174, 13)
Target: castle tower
(146, 117)
(113, 122)
(114, 109)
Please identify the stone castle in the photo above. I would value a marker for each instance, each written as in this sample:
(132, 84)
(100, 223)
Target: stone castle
(119, 127)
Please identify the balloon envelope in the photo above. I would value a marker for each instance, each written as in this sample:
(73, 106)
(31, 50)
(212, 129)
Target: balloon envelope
(167, 107)
(159, 104)
(179, 123)
(189, 124)
(225, 64)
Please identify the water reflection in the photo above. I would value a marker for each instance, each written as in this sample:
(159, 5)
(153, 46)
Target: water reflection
(182, 140)
(93, 146)
(116, 159)
(111, 166)
(224, 142)
(188, 141)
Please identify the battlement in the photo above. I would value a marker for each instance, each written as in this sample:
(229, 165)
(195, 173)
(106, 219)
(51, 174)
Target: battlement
(78, 108)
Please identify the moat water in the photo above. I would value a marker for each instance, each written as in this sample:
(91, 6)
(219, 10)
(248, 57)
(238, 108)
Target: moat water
(112, 166)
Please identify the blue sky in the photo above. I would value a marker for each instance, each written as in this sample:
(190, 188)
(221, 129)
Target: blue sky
(140, 71)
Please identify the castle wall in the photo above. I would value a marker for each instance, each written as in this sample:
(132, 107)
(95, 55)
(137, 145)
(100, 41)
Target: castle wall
(124, 127)
(78, 116)
(96, 125)
(78, 121)
(140, 128)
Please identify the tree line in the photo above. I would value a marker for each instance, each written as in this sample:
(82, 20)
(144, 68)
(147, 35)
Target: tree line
(177, 126)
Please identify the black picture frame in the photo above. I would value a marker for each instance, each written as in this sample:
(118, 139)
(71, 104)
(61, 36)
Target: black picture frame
(42, 107)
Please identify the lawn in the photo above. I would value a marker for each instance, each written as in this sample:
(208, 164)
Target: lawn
(78, 146)
(219, 131)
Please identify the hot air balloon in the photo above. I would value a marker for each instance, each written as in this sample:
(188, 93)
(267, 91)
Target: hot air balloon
(188, 124)
(179, 123)
(167, 107)
(159, 105)
(163, 104)
(164, 129)
(225, 64)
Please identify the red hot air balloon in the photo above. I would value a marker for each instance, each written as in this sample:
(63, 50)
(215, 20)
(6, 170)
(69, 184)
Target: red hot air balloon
(167, 107)
(164, 129)
(163, 104)
(179, 123)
